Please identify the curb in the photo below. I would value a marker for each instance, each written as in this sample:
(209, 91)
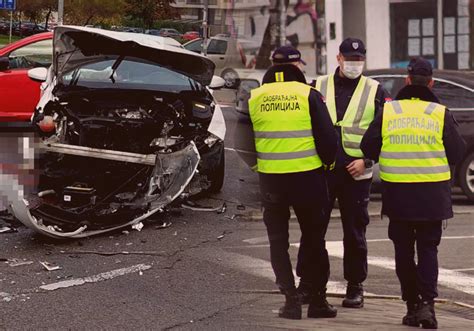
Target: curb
(366, 296)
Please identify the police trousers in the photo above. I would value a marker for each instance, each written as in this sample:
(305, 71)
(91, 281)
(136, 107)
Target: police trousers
(353, 199)
(416, 279)
(306, 192)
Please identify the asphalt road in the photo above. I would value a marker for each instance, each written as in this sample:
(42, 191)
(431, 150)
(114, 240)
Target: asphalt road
(198, 272)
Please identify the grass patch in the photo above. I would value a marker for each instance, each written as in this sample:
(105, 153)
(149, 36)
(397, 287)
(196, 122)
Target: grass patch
(4, 40)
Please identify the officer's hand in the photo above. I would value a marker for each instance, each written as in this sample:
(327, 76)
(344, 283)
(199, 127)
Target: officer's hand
(356, 167)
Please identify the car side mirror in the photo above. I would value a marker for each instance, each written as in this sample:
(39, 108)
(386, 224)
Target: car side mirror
(217, 83)
(4, 63)
(38, 74)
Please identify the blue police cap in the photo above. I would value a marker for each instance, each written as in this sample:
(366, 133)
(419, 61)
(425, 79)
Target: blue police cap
(352, 47)
(285, 54)
(420, 67)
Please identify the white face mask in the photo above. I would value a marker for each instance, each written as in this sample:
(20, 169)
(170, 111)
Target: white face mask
(352, 69)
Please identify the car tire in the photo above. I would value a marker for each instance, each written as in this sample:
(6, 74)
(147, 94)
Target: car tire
(217, 177)
(231, 78)
(466, 176)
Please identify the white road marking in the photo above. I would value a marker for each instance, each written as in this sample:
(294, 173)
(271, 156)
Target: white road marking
(442, 238)
(467, 269)
(257, 241)
(262, 268)
(449, 278)
(96, 278)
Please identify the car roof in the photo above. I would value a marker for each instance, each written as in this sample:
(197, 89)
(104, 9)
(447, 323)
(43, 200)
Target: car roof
(25, 41)
(465, 78)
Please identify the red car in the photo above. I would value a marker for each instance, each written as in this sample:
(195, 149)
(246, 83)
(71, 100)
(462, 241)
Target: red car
(190, 35)
(19, 93)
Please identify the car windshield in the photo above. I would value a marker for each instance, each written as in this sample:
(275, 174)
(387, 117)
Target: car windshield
(129, 73)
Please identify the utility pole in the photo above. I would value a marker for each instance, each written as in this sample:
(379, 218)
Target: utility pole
(60, 12)
(204, 26)
(440, 35)
(282, 27)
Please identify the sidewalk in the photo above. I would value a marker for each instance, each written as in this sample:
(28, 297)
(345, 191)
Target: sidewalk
(377, 314)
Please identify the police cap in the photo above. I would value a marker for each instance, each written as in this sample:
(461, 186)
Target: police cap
(352, 47)
(419, 66)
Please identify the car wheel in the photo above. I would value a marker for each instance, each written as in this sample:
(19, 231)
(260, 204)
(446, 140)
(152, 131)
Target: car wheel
(466, 176)
(217, 177)
(231, 78)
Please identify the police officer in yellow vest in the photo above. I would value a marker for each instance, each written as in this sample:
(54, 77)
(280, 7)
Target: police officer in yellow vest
(415, 140)
(294, 137)
(352, 100)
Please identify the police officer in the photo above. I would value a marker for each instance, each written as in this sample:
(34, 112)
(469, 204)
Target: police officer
(352, 100)
(294, 137)
(415, 140)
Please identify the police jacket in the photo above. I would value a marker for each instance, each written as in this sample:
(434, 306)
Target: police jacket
(429, 201)
(323, 131)
(344, 89)
(324, 136)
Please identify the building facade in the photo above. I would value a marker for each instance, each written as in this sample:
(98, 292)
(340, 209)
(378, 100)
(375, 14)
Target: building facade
(393, 30)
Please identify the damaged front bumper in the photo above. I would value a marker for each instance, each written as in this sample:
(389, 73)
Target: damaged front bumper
(171, 174)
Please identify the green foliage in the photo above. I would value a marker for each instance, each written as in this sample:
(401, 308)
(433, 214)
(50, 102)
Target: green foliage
(147, 12)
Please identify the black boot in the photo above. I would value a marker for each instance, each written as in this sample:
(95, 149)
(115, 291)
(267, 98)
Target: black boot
(319, 307)
(410, 318)
(354, 296)
(292, 307)
(426, 315)
(304, 291)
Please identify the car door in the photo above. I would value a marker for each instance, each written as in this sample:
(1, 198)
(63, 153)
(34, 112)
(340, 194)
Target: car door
(194, 46)
(216, 51)
(459, 99)
(391, 83)
(19, 93)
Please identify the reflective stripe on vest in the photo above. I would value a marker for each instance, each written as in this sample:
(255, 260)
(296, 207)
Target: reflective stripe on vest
(282, 126)
(412, 143)
(359, 113)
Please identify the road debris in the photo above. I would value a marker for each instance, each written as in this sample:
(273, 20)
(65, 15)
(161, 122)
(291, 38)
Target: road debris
(223, 209)
(164, 225)
(234, 216)
(196, 207)
(96, 278)
(138, 226)
(240, 207)
(17, 262)
(49, 266)
(116, 253)
(7, 229)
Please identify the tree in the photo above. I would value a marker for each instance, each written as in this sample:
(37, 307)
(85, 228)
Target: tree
(149, 11)
(84, 12)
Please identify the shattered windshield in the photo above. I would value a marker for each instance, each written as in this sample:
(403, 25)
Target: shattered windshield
(128, 73)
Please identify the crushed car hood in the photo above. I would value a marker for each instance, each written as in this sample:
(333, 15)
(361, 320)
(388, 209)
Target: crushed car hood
(74, 45)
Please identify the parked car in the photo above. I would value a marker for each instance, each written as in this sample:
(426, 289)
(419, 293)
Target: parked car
(17, 104)
(129, 124)
(228, 54)
(190, 35)
(154, 32)
(172, 33)
(455, 89)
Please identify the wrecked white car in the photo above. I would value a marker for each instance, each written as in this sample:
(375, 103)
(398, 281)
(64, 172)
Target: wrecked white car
(128, 124)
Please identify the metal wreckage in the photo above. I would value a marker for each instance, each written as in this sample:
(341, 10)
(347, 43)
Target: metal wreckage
(134, 126)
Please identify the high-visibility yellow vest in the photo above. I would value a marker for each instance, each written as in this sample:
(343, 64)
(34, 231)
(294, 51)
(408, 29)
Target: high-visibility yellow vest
(359, 113)
(412, 143)
(282, 126)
